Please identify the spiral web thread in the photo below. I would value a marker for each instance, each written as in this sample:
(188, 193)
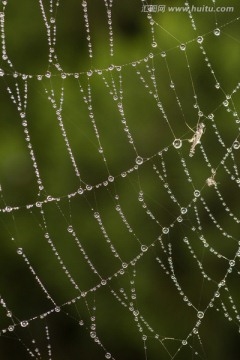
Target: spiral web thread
(181, 223)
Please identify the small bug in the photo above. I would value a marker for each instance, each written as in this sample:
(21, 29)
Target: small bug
(196, 137)
(211, 181)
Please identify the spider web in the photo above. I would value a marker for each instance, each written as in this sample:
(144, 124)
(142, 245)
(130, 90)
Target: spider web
(119, 177)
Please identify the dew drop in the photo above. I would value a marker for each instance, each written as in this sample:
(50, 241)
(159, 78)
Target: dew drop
(163, 54)
(96, 215)
(236, 145)
(231, 262)
(217, 32)
(184, 342)
(183, 210)
(144, 248)
(57, 309)
(70, 229)
(9, 313)
(154, 44)
(108, 356)
(19, 251)
(197, 193)
(110, 178)
(177, 143)
(200, 314)
(139, 160)
(200, 39)
(103, 282)
(24, 323)
(165, 230)
(1, 72)
(183, 47)
(10, 328)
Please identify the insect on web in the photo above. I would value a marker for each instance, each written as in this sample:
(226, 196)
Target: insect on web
(119, 219)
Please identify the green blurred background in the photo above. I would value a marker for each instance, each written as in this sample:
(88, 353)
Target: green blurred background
(157, 299)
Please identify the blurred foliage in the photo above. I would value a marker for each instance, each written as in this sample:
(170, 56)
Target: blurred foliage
(157, 299)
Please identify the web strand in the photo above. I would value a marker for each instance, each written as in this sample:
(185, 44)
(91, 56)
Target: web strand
(119, 217)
